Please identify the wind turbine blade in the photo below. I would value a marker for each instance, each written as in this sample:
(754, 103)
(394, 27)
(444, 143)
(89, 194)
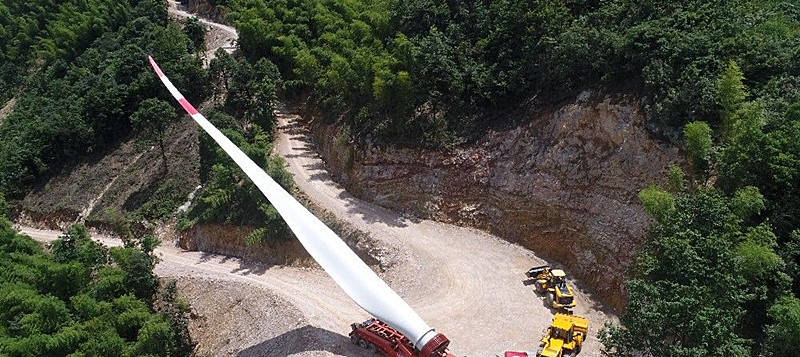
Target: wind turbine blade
(339, 261)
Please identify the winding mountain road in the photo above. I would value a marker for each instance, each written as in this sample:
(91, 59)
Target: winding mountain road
(465, 283)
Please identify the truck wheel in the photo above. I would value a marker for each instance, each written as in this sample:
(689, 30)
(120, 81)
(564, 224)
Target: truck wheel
(539, 284)
(373, 348)
(354, 339)
(362, 343)
(551, 298)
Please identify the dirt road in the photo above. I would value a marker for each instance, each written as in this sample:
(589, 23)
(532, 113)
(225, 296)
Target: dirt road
(463, 282)
(217, 35)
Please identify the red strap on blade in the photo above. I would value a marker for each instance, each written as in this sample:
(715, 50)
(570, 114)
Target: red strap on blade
(155, 66)
(187, 106)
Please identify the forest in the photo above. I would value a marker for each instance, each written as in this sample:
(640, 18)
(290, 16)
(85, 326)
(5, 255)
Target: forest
(436, 73)
(719, 272)
(80, 298)
(77, 70)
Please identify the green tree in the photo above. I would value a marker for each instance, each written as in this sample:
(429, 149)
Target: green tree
(686, 296)
(657, 202)
(3, 206)
(747, 202)
(75, 245)
(731, 93)
(196, 32)
(790, 252)
(676, 179)
(80, 301)
(698, 144)
(152, 121)
(784, 333)
(222, 69)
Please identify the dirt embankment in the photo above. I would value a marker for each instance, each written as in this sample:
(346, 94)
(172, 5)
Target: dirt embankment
(230, 240)
(120, 179)
(564, 185)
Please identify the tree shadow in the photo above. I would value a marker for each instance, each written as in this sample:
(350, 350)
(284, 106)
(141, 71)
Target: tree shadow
(304, 339)
(245, 267)
(373, 212)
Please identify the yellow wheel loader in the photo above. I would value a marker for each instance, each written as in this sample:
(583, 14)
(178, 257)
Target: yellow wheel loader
(552, 283)
(564, 337)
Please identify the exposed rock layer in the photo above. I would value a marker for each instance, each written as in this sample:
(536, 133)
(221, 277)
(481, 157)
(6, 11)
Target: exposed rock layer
(229, 240)
(205, 9)
(564, 185)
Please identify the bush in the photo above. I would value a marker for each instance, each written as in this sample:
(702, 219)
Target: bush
(698, 144)
(3, 206)
(676, 179)
(196, 32)
(747, 202)
(656, 202)
(785, 331)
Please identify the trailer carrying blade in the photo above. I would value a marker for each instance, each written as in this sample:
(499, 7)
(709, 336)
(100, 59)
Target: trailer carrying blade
(337, 259)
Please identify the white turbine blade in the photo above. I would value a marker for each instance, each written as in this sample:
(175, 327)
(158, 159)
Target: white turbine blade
(339, 261)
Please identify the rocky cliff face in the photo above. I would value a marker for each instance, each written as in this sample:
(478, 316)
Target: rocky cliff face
(564, 185)
(205, 9)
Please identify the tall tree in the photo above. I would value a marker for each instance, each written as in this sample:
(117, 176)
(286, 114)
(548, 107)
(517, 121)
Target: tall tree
(699, 144)
(152, 122)
(731, 93)
(196, 31)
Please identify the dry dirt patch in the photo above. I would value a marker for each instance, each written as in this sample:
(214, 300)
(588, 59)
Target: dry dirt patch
(231, 318)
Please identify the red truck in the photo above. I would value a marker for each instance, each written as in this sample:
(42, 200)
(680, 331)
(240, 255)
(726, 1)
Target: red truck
(377, 336)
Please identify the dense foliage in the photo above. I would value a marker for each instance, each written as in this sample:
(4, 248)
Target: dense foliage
(246, 117)
(31, 31)
(83, 299)
(80, 101)
(436, 72)
(719, 273)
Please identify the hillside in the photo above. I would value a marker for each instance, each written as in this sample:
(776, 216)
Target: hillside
(650, 149)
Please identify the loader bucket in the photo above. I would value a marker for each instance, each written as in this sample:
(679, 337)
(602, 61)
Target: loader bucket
(533, 272)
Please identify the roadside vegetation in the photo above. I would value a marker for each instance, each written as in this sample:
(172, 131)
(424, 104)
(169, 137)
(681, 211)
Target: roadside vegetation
(245, 115)
(80, 298)
(438, 73)
(719, 273)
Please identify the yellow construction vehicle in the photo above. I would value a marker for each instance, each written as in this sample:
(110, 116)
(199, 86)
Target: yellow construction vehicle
(564, 337)
(553, 282)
